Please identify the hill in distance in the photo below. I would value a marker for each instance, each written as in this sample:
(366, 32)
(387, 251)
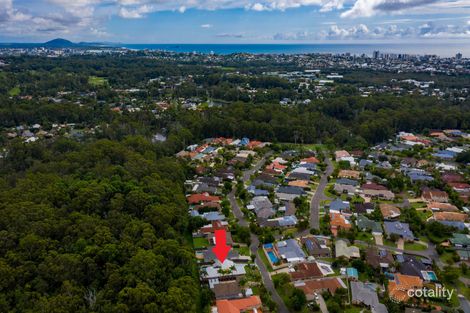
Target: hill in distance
(60, 43)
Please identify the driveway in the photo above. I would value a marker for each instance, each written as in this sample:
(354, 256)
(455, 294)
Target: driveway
(322, 304)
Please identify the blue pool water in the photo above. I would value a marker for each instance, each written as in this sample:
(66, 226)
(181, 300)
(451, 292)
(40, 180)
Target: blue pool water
(432, 276)
(268, 246)
(272, 257)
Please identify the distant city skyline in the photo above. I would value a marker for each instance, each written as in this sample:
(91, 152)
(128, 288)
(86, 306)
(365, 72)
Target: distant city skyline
(243, 21)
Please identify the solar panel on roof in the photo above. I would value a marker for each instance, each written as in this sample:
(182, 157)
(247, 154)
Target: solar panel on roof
(309, 244)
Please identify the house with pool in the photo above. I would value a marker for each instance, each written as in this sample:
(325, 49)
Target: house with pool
(282, 253)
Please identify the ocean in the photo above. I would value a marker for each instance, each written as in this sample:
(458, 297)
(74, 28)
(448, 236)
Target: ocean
(442, 50)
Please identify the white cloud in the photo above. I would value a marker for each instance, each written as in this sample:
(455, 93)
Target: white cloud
(389, 32)
(367, 8)
(206, 26)
(138, 12)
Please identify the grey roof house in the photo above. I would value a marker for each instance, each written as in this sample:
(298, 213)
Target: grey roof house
(401, 229)
(366, 294)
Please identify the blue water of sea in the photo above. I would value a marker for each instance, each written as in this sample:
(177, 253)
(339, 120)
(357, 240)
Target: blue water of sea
(354, 49)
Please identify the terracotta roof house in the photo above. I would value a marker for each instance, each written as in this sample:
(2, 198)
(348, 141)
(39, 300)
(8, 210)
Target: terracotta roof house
(299, 183)
(310, 287)
(398, 288)
(279, 168)
(450, 216)
(442, 207)
(435, 195)
(337, 222)
(202, 198)
(305, 270)
(254, 144)
(349, 174)
(389, 211)
(246, 305)
(213, 226)
(378, 258)
(460, 187)
(312, 159)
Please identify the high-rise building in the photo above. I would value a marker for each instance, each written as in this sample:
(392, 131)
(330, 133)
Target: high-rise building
(376, 54)
(458, 56)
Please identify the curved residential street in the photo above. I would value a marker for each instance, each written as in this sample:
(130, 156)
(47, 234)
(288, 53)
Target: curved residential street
(320, 195)
(254, 246)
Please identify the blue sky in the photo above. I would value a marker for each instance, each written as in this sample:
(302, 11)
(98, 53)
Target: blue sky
(236, 21)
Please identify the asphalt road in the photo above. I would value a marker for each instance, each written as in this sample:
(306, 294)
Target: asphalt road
(254, 246)
(464, 304)
(320, 195)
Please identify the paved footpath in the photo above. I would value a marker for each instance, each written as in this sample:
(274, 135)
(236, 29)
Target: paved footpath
(254, 246)
(320, 195)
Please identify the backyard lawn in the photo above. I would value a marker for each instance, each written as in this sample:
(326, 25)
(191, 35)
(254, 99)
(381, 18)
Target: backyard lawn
(200, 243)
(263, 257)
(415, 246)
(244, 250)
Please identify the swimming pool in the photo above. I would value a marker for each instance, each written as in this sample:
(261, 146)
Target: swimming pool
(268, 246)
(273, 257)
(429, 275)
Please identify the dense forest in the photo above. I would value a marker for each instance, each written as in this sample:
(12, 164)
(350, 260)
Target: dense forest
(94, 227)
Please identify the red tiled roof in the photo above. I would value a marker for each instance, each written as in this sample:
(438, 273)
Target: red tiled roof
(310, 160)
(239, 305)
(202, 197)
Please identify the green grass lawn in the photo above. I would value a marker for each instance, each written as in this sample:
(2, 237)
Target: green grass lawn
(418, 205)
(364, 236)
(97, 81)
(447, 257)
(263, 257)
(355, 309)
(244, 251)
(200, 243)
(415, 246)
(389, 243)
(15, 91)
(424, 215)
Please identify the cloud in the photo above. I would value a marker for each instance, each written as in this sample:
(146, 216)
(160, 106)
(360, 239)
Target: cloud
(138, 12)
(206, 26)
(229, 35)
(367, 8)
(429, 30)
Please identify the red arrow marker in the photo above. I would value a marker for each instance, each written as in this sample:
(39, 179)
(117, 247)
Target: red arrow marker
(221, 249)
